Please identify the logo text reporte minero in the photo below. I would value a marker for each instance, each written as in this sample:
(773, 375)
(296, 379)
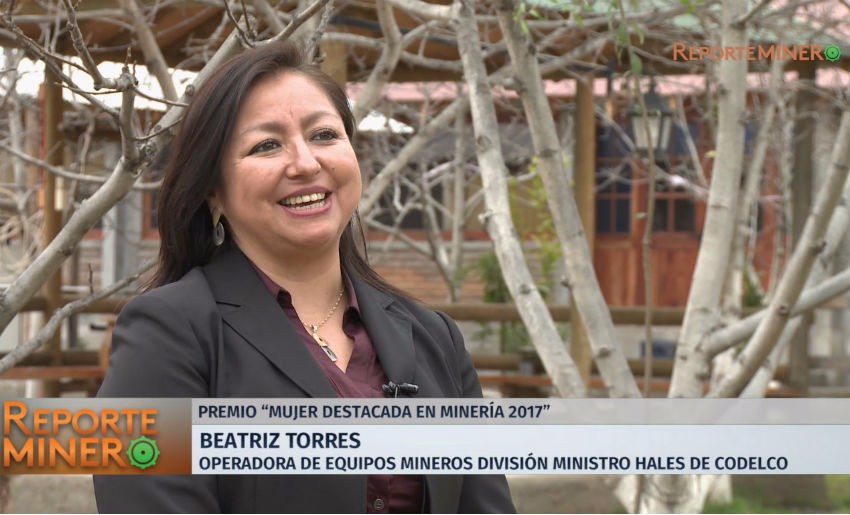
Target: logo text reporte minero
(685, 52)
(83, 438)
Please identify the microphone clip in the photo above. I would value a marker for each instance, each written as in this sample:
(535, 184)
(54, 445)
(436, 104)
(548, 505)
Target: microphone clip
(392, 389)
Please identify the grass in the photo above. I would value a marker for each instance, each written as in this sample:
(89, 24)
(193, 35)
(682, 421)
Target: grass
(743, 501)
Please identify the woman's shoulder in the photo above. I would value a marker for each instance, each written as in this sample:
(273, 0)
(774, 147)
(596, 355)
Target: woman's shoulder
(190, 293)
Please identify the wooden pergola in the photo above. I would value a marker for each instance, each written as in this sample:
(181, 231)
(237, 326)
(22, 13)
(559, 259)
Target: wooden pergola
(187, 32)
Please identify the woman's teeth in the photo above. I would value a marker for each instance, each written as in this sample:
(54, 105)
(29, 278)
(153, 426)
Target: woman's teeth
(309, 201)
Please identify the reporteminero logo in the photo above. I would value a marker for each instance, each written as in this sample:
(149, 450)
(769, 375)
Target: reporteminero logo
(685, 52)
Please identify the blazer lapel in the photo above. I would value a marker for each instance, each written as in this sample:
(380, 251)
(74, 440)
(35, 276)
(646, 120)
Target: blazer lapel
(389, 329)
(248, 308)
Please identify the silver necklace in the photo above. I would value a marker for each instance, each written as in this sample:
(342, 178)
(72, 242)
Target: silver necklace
(314, 328)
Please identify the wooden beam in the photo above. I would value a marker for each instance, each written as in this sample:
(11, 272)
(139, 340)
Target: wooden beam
(54, 373)
(335, 60)
(70, 358)
(484, 312)
(53, 153)
(584, 185)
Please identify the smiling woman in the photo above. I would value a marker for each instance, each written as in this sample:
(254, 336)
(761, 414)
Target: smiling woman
(261, 292)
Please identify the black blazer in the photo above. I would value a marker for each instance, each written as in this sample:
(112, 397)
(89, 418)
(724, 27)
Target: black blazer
(218, 333)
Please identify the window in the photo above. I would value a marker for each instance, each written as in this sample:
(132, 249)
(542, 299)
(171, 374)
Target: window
(613, 199)
(675, 206)
(675, 203)
(675, 210)
(613, 182)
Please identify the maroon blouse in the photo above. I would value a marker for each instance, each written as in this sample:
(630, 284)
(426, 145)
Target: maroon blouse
(362, 379)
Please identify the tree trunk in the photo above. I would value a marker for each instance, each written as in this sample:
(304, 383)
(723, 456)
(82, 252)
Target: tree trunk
(702, 311)
(836, 233)
(587, 295)
(667, 494)
(497, 217)
(808, 252)
(802, 187)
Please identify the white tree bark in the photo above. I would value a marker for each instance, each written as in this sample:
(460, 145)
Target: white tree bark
(497, 217)
(748, 197)
(119, 182)
(379, 183)
(458, 205)
(136, 152)
(702, 310)
(154, 59)
(53, 324)
(383, 69)
(811, 244)
(607, 353)
(425, 9)
(116, 186)
(686, 494)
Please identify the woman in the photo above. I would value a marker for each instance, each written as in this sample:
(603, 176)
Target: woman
(261, 292)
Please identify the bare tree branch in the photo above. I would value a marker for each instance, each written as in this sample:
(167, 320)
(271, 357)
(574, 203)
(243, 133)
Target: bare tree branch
(93, 208)
(50, 60)
(741, 21)
(61, 172)
(299, 20)
(46, 332)
(799, 267)
(154, 60)
(562, 207)
(244, 34)
(384, 67)
(313, 40)
(497, 219)
(82, 49)
(426, 10)
(269, 15)
(810, 299)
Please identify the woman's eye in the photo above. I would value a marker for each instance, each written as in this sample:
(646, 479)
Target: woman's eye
(265, 146)
(325, 135)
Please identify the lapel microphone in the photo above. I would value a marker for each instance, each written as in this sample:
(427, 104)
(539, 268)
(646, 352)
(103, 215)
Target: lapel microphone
(392, 389)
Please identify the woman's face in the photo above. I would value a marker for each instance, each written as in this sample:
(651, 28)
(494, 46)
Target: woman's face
(290, 178)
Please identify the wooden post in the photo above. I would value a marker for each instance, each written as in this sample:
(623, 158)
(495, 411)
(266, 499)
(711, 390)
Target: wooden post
(801, 204)
(53, 154)
(584, 184)
(335, 62)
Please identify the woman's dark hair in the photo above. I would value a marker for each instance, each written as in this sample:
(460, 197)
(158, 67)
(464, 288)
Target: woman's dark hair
(193, 169)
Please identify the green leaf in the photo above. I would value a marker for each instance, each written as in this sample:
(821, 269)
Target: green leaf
(636, 64)
(520, 12)
(622, 35)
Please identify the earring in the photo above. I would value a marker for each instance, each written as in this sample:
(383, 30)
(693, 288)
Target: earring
(218, 227)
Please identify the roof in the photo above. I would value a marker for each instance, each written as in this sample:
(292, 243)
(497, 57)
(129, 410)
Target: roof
(188, 32)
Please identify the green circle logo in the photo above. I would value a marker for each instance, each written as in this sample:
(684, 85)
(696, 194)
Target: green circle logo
(832, 53)
(143, 452)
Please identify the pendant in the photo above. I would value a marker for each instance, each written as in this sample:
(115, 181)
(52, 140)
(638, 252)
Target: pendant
(314, 332)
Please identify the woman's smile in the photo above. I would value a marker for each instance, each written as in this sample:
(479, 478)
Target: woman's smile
(307, 204)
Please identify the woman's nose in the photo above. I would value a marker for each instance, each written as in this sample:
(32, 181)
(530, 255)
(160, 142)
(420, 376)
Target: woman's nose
(302, 161)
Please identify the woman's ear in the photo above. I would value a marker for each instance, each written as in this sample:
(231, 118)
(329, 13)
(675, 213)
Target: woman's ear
(214, 205)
